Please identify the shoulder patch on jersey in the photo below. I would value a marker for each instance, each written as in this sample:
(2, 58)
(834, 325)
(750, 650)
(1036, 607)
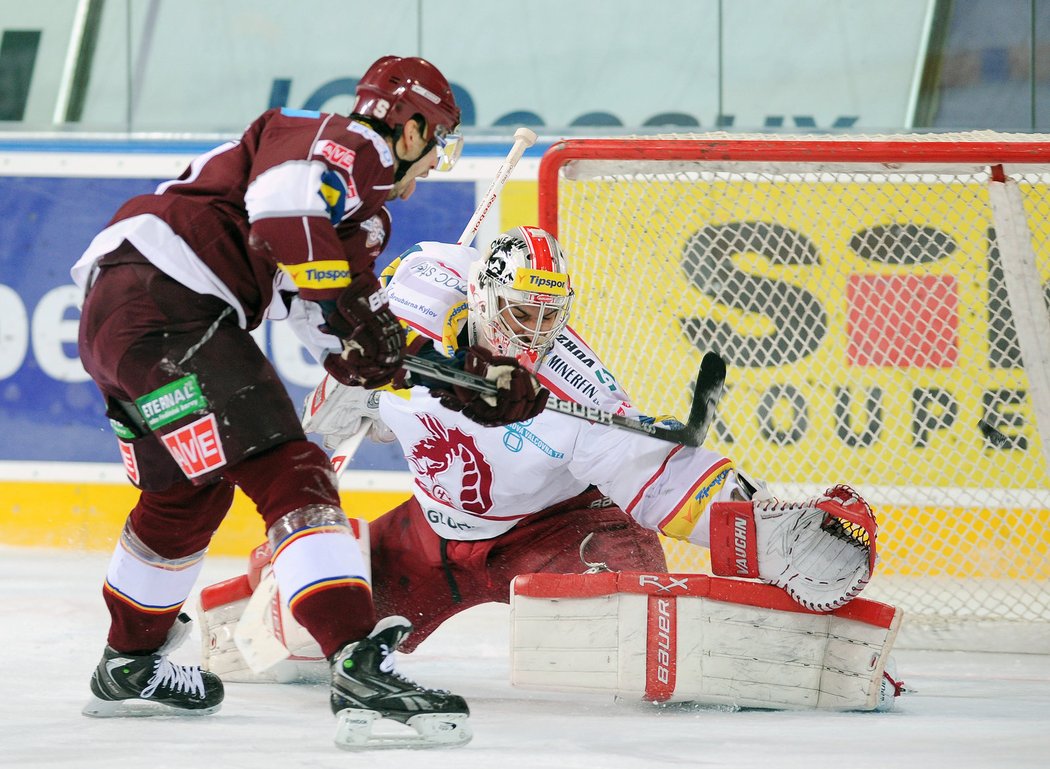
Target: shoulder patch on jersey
(333, 192)
(307, 113)
(386, 157)
(454, 320)
(388, 272)
(375, 229)
(336, 154)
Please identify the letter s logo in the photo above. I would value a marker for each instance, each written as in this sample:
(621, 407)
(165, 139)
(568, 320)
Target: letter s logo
(799, 321)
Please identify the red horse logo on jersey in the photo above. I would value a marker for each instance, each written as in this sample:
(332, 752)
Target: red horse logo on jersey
(450, 467)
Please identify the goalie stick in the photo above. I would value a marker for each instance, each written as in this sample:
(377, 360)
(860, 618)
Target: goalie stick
(710, 381)
(523, 139)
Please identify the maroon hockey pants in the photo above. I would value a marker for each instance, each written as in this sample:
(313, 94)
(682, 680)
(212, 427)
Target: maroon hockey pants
(427, 579)
(140, 330)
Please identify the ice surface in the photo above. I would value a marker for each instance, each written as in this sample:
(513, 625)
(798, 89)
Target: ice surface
(967, 709)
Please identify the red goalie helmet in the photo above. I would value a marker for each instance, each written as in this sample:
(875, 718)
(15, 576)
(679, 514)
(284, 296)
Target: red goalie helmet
(395, 88)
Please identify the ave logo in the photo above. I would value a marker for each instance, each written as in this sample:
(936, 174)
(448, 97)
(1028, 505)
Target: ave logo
(196, 447)
(336, 154)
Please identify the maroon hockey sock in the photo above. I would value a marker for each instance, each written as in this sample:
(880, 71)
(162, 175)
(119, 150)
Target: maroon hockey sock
(336, 616)
(132, 631)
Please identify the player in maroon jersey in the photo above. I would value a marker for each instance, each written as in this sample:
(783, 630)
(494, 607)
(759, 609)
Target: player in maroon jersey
(173, 286)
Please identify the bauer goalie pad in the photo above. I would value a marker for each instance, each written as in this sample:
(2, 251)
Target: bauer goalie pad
(694, 638)
(248, 634)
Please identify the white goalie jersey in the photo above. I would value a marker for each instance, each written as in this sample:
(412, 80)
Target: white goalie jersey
(476, 482)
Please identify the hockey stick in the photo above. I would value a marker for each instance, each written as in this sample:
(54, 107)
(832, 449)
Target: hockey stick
(710, 381)
(523, 139)
(347, 448)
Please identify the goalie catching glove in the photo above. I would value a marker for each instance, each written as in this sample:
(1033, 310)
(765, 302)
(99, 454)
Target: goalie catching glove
(373, 339)
(519, 394)
(822, 552)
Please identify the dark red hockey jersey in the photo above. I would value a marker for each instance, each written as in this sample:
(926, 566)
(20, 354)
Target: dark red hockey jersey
(291, 205)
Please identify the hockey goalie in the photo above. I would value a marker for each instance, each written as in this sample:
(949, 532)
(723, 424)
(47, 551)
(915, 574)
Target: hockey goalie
(496, 499)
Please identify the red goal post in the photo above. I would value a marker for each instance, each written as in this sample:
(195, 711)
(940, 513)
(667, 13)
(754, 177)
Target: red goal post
(875, 299)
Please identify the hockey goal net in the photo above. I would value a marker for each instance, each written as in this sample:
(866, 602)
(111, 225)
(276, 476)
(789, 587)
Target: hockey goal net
(882, 303)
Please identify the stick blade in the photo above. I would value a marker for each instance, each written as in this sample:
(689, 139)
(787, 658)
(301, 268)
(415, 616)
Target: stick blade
(710, 382)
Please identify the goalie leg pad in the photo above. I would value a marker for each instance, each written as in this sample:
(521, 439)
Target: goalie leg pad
(690, 637)
(248, 633)
(232, 615)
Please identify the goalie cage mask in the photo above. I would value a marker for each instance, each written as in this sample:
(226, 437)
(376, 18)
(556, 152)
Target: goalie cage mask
(524, 269)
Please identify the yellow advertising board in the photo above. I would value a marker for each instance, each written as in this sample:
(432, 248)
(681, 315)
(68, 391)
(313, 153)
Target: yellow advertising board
(867, 332)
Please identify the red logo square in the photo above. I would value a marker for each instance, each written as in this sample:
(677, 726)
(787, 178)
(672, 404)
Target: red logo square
(901, 321)
(131, 465)
(337, 154)
(196, 447)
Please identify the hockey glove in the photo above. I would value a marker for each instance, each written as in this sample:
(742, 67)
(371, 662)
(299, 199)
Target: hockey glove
(373, 339)
(822, 551)
(519, 396)
(336, 411)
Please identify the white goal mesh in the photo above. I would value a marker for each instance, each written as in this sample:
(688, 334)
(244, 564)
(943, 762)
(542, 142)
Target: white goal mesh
(875, 299)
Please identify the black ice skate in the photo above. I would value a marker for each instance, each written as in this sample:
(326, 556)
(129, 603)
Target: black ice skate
(151, 684)
(365, 688)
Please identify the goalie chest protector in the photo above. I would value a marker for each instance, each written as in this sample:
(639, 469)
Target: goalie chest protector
(691, 637)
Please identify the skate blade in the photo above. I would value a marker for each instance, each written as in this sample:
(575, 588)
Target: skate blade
(99, 708)
(354, 731)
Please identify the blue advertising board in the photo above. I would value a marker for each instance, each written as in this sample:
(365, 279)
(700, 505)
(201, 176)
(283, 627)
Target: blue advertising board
(49, 408)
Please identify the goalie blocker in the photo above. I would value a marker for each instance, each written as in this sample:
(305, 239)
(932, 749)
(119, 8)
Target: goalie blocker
(690, 637)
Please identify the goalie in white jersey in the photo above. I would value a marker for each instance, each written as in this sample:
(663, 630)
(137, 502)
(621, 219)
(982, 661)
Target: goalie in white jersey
(492, 502)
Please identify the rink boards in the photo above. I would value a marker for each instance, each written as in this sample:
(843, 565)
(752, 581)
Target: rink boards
(83, 506)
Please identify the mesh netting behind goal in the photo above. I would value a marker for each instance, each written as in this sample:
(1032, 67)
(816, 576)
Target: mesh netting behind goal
(875, 299)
